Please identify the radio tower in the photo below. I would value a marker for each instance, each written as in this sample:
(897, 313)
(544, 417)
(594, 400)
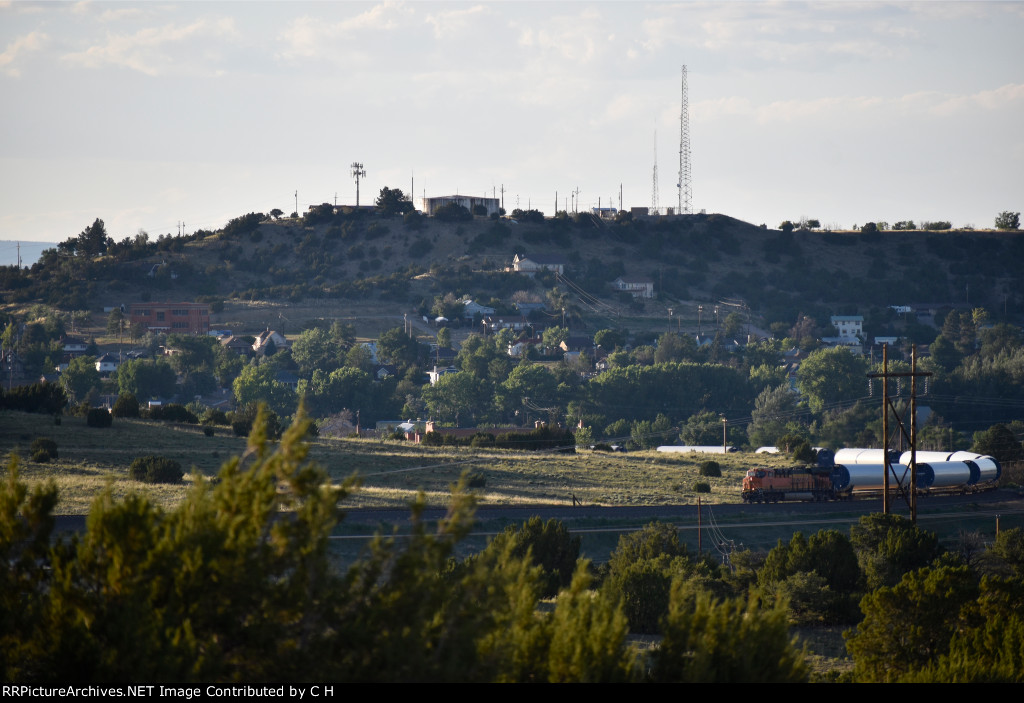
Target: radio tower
(654, 186)
(685, 193)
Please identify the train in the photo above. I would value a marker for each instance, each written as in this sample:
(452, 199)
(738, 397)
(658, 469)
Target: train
(852, 473)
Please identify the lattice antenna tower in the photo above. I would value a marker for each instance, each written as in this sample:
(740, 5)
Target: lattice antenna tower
(654, 183)
(685, 190)
(358, 172)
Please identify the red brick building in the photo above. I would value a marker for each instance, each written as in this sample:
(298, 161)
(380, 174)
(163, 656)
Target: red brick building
(183, 318)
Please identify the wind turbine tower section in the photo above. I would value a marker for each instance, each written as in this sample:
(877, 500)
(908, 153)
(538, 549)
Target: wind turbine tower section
(685, 191)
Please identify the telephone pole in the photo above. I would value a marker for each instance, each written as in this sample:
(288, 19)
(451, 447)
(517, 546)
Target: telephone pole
(907, 492)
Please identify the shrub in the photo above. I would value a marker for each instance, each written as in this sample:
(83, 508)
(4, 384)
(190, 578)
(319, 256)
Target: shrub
(549, 545)
(711, 468)
(477, 479)
(701, 487)
(126, 405)
(208, 431)
(41, 456)
(173, 412)
(43, 445)
(213, 416)
(155, 469)
(98, 417)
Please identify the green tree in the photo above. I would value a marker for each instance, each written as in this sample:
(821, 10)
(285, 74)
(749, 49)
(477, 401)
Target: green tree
(1005, 557)
(817, 576)
(610, 339)
(347, 387)
(527, 381)
(909, 626)
(397, 347)
(117, 322)
(93, 240)
(444, 338)
(392, 201)
(830, 376)
(889, 546)
(316, 349)
(455, 396)
(1000, 442)
(1007, 220)
(554, 336)
(257, 384)
(645, 434)
(731, 641)
(547, 545)
(672, 347)
(80, 378)
(702, 429)
(146, 379)
(774, 414)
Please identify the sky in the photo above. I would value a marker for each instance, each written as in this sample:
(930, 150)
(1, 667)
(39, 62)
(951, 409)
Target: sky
(152, 114)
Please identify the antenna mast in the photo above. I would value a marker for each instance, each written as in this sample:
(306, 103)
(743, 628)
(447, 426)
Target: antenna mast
(654, 184)
(357, 173)
(685, 191)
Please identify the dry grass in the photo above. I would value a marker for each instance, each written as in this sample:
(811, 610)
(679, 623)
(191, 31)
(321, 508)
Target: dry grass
(392, 473)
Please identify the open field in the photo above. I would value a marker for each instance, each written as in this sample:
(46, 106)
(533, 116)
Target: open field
(392, 473)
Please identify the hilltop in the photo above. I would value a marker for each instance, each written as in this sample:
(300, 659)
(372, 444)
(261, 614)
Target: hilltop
(361, 258)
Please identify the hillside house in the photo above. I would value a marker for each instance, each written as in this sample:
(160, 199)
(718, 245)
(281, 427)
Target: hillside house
(637, 286)
(470, 309)
(263, 339)
(849, 326)
(107, 363)
(532, 263)
(514, 323)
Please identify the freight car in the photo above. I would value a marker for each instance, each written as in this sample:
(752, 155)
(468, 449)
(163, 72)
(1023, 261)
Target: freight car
(969, 473)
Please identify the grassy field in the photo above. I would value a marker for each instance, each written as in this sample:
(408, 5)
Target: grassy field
(392, 472)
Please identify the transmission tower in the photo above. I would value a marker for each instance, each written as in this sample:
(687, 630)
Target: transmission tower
(357, 173)
(685, 192)
(654, 185)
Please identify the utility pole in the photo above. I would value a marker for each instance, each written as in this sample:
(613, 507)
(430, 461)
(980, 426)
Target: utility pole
(908, 493)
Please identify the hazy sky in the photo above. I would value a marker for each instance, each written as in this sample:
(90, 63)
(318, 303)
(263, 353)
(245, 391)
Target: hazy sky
(147, 114)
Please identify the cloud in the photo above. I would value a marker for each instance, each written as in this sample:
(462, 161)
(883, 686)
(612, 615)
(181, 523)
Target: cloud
(996, 99)
(151, 50)
(917, 104)
(313, 37)
(577, 39)
(33, 41)
(447, 24)
(120, 14)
